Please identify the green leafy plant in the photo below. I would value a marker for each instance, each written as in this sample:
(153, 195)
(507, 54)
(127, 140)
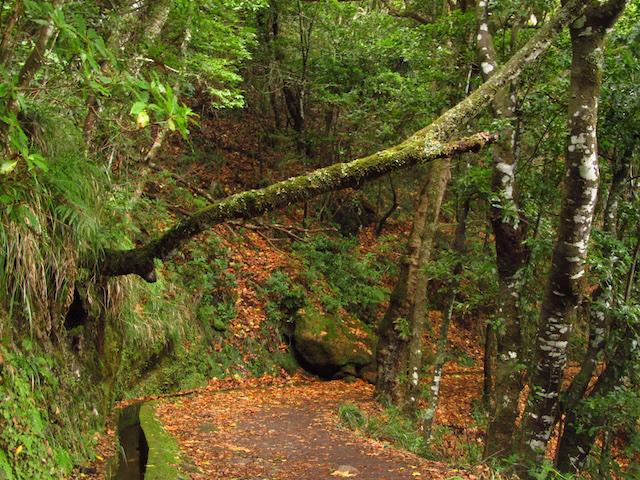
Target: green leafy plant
(343, 278)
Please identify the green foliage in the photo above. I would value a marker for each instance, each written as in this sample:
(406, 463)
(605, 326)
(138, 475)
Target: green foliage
(343, 278)
(50, 217)
(351, 416)
(284, 296)
(39, 434)
(390, 426)
(401, 325)
(162, 101)
(176, 319)
(210, 280)
(546, 471)
(220, 39)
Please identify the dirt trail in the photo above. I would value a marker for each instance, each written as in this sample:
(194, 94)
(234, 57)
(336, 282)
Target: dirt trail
(286, 432)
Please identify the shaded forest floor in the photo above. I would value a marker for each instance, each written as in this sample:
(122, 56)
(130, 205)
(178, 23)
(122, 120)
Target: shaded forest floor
(288, 432)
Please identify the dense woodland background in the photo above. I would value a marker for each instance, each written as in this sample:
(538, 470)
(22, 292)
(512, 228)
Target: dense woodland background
(128, 269)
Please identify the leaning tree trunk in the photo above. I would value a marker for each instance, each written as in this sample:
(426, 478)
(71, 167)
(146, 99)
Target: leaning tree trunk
(569, 253)
(511, 256)
(9, 37)
(163, 130)
(399, 354)
(427, 144)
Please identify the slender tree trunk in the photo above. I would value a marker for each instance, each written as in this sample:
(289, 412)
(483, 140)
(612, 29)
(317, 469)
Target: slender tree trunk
(34, 61)
(392, 208)
(489, 368)
(576, 441)
(125, 26)
(400, 347)
(163, 130)
(141, 20)
(427, 144)
(395, 330)
(399, 354)
(31, 65)
(620, 169)
(294, 107)
(7, 41)
(154, 21)
(569, 253)
(598, 313)
(438, 181)
(512, 255)
(441, 348)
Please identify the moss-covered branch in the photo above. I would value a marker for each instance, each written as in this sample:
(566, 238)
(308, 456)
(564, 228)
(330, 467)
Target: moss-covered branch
(425, 145)
(252, 203)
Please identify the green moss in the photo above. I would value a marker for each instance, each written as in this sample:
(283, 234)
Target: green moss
(164, 455)
(287, 361)
(329, 343)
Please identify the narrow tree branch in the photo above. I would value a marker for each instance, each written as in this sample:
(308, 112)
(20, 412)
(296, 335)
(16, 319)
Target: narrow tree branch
(34, 61)
(8, 34)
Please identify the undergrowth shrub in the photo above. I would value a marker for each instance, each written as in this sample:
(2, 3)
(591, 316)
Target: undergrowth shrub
(390, 426)
(41, 433)
(337, 273)
(284, 297)
(170, 326)
(48, 220)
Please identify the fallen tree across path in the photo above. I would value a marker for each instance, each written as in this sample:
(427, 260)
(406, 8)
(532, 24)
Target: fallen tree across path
(252, 203)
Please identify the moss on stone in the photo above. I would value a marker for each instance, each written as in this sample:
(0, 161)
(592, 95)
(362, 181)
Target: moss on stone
(329, 344)
(164, 455)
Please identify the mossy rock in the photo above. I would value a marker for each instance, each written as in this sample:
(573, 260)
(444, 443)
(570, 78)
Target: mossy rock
(164, 455)
(333, 346)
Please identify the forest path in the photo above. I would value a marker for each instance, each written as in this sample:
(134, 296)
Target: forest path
(286, 432)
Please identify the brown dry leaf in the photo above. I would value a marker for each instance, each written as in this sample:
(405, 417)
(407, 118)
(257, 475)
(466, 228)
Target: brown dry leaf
(342, 473)
(238, 449)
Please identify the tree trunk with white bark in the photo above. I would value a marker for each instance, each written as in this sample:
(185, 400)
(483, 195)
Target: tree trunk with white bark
(564, 286)
(512, 255)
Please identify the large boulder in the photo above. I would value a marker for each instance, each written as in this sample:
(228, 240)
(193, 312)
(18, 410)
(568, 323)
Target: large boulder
(334, 346)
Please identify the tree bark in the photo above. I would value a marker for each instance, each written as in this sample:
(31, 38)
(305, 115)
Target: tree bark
(598, 314)
(576, 441)
(620, 172)
(135, 22)
(34, 61)
(163, 130)
(441, 348)
(124, 28)
(569, 253)
(399, 354)
(252, 203)
(7, 40)
(512, 255)
(31, 65)
(427, 144)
